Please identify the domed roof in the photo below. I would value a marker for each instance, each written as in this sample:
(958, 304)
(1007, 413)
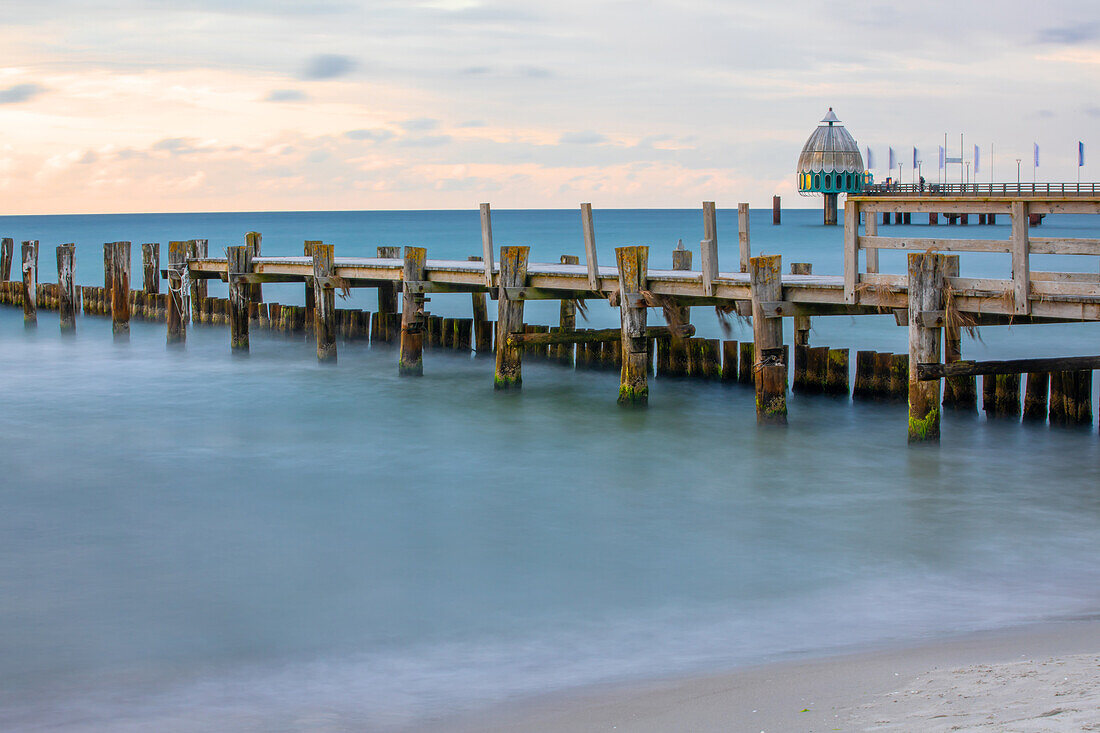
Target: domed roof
(830, 148)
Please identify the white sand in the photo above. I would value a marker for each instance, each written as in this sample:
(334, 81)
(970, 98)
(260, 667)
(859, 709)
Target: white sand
(1040, 678)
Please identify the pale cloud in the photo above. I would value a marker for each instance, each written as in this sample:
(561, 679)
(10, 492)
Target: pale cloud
(20, 93)
(420, 124)
(286, 95)
(582, 138)
(328, 66)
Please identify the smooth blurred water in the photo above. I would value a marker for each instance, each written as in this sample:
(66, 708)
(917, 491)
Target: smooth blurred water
(195, 541)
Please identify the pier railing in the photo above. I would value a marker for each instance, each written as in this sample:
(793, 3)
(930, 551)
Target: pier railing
(982, 189)
(1024, 287)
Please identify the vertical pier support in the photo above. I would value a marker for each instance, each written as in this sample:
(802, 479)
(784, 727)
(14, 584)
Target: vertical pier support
(238, 263)
(386, 323)
(958, 392)
(513, 274)
(66, 287)
(324, 297)
(926, 284)
(7, 250)
(120, 289)
(177, 299)
(411, 359)
(150, 267)
(198, 249)
(567, 318)
(633, 268)
(30, 282)
(770, 369)
(801, 335)
(776, 210)
(830, 209)
(483, 336)
(252, 241)
(743, 235)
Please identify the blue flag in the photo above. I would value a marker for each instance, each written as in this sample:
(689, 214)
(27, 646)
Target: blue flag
(941, 156)
(893, 162)
(915, 156)
(1036, 155)
(1080, 153)
(870, 159)
(977, 158)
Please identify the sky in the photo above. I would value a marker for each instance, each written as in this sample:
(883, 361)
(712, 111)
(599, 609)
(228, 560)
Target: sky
(231, 105)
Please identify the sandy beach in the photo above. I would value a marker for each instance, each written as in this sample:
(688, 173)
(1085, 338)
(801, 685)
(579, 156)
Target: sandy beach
(1037, 678)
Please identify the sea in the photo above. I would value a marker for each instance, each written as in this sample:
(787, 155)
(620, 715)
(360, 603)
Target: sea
(193, 541)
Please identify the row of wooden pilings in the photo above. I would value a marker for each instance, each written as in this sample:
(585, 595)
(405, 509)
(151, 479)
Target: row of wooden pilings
(636, 350)
(906, 217)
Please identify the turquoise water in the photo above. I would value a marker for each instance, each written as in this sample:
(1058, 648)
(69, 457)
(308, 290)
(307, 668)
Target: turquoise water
(191, 541)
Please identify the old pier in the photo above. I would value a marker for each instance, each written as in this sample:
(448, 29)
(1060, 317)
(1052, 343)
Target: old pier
(930, 299)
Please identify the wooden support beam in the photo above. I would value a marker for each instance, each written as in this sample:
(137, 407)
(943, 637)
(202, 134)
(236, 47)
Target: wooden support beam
(770, 369)
(177, 298)
(851, 252)
(801, 323)
(150, 267)
(598, 335)
(385, 323)
(742, 235)
(324, 302)
(926, 292)
(199, 291)
(870, 254)
(708, 260)
(239, 262)
(252, 241)
(633, 278)
(509, 359)
(960, 393)
(487, 252)
(836, 373)
(120, 289)
(310, 293)
(567, 319)
(929, 371)
(411, 358)
(672, 359)
(1035, 396)
(7, 250)
(1021, 277)
(483, 336)
(30, 282)
(67, 298)
(590, 258)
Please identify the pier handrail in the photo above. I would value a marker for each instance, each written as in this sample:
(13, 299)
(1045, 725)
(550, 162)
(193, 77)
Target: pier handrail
(982, 189)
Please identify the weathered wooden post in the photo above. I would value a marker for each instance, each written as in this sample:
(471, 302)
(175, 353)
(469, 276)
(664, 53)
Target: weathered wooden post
(567, 317)
(1035, 396)
(7, 250)
(30, 282)
(836, 377)
(513, 275)
(775, 209)
(801, 335)
(672, 352)
(252, 241)
(238, 265)
(324, 297)
(770, 369)
(743, 234)
(590, 259)
(120, 289)
(386, 321)
(177, 298)
(150, 267)
(310, 292)
(958, 392)
(411, 357)
(198, 249)
(66, 287)
(1021, 249)
(483, 337)
(926, 281)
(633, 269)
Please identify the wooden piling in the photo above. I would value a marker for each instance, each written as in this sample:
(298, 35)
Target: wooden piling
(30, 282)
(567, 317)
(801, 335)
(989, 394)
(411, 357)
(634, 354)
(177, 299)
(150, 267)
(324, 306)
(865, 367)
(120, 289)
(386, 323)
(1035, 396)
(447, 333)
(674, 357)
(926, 293)
(482, 335)
(238, 264)
(435, 331)
(836, 374)
(729, 361)
(770, 369)
(1007, 395)
(776, 212)
(199, 290)
(933, 218)
(1057, 397)
(252, 241)
(309, 292)
(7, 250)
(463, 333)
(899, 378)
(742, 235)
(509, 360)
(66, 287)
(746, 362)
(959, 393)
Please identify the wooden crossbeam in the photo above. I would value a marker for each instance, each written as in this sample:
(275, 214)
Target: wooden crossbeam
(594, 335)
(927, 372)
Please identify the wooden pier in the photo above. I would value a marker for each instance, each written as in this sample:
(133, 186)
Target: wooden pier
(930, 299)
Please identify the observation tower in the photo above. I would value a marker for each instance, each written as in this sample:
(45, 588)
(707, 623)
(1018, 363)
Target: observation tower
(830, 164)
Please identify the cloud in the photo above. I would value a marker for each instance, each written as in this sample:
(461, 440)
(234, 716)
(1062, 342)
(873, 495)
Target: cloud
(476, 70)
(535, 72)
(1045, 114)
(89, 157)
(172, 144)
(420, 124)
(425, 141)
(377, 135)
(285, 95)
(1092, 111)
(582, 138)
(1069, 34)
(472, 123)
(20, 93)
(328, 66)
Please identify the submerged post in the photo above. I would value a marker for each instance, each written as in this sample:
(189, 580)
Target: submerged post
(411, 359)
(958, 392)
(7, 249)
(386, 321)
(238, 264)
(513, 275)
(801, 334)
(30, 282)
(324, 296)
(252, 241)
(633, 268)
(483, 337)
(776, 210)
(150, 267)
(926, 285)
(66, 287)
(120, 289)
(770, 369)
(177, 299)
(567, 317)
(199, 249)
